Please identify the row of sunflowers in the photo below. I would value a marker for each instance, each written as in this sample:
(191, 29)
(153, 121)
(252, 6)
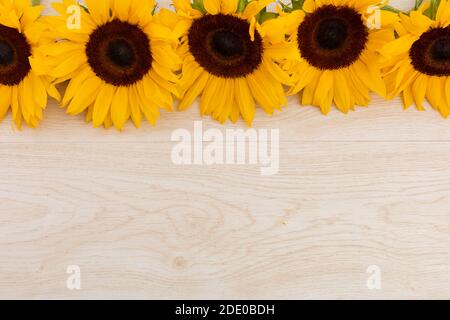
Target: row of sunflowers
(127, 59)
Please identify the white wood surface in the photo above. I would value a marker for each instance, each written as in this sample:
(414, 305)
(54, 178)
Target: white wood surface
(368, 188)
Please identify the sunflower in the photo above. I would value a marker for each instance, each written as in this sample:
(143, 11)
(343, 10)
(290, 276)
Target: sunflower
(229, 57)
(337, 57)
(120, 61)
(22, 89)
(418, 61)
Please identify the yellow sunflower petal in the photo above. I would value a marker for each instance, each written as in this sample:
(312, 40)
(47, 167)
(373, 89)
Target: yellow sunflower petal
(419, 90)
(99, 10)
(102, 105)
(212, 6)
(86, 95)
(447, 90)
(324, 85)
(120, 108)
(136, 114)
(5, 100)
(254, 7)
(194, 91)
(228, 6)
(122, 9)
(244, 100)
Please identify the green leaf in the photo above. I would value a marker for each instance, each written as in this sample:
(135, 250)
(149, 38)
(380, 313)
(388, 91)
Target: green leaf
(294, 5)
(264, 16)
(198, 5)
(391, 9)
(35, 2)
(418, 4)
(155, 7)
(86, 9)
(285, 7)
(241, 5)
(297, 4)
(432, 10)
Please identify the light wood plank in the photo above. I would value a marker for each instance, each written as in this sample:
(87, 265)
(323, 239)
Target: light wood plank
(382, 121)
(140, 227)
(368, 188)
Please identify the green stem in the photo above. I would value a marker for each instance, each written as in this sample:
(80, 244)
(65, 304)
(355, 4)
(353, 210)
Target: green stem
(198, 5)
(418, 4)
(391, 9)
(432, 10)
(241, 5)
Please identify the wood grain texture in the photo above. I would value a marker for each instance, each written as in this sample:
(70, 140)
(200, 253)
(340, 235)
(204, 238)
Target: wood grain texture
(368, 188)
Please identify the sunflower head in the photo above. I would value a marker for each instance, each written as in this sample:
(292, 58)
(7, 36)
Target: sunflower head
(332, 37)
(222, 45)
(417, 63)
(120, 59)
(430, 54)
(119, 53)
(337, 43)
(23, 87)
(229, 55)
(14, 53)
(222, 35)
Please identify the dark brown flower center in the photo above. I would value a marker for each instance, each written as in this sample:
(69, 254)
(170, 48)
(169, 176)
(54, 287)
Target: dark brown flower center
(332, 37)
(6, 53)
(14, 53)
(221, 44)
(331, 34)
(431, 53)
(119, 53)
(227, 44)
(440, 50)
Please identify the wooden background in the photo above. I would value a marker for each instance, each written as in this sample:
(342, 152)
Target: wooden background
(368, 188)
